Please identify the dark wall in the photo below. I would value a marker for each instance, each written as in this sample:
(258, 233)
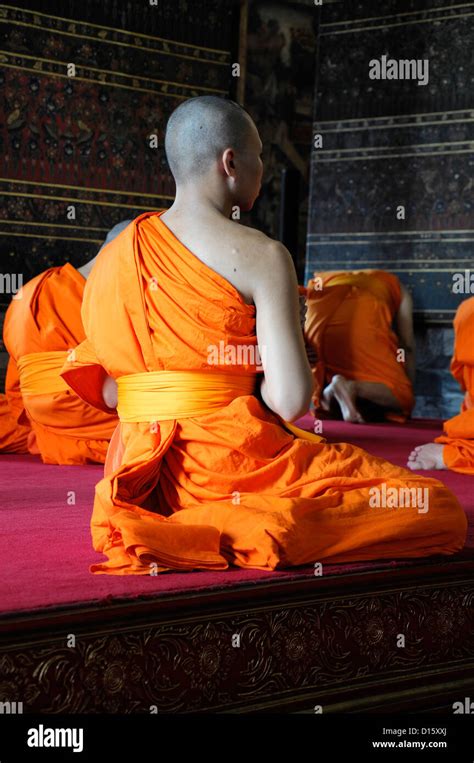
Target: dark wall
(84, 140)
(389, 143)
(280, 76)
(393, 142)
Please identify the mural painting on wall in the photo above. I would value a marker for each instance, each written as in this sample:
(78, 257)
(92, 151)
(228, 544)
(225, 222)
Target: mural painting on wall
(82, 150)
(281, 48)
(393, 185)
(86, 90)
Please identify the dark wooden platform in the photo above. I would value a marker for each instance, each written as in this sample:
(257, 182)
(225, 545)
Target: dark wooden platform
(329, 642)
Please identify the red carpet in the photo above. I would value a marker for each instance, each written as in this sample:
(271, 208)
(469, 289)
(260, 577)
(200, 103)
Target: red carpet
(45, 541)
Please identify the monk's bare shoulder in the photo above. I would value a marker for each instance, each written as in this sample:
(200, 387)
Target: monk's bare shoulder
(265, 264)
(259, 262)
(248, 238)
(270, 257)
(248, 258)
(260, 250)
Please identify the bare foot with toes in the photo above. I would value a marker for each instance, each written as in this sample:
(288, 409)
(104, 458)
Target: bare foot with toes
(428, 456)
(344, 392)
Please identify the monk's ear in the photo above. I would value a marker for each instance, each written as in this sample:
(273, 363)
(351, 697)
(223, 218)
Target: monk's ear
(228, 160)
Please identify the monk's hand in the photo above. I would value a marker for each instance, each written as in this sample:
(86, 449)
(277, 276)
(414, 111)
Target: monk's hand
(109, 392)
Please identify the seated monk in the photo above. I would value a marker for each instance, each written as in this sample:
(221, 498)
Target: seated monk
(363, 370)
(39, 413)
(455, 448)
(192, 326)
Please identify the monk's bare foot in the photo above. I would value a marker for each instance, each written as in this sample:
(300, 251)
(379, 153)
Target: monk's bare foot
(428, 456)
(344, 392)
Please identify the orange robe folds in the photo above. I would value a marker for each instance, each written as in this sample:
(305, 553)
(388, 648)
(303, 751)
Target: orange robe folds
(42, 325)
(348, 324)
(186, 489)
(458, 438)
(14, 437)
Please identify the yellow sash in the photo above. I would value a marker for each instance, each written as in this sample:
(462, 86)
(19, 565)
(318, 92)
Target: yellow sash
(163, 395)
(39, 373)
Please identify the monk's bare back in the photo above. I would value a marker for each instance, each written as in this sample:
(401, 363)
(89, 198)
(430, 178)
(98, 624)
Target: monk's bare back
(262, 271)
(234, 251)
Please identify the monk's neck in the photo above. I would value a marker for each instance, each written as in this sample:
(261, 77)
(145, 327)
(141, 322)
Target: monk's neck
(193, 201)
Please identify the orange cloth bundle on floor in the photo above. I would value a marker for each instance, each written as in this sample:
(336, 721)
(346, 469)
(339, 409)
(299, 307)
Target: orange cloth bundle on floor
(188, 489)
(42, 325)
(458, 438)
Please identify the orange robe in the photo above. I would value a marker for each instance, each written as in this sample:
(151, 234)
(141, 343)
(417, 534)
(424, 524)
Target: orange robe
(41, 326)
(348, 324)
(234, 485)
(458, 438)
(14, 437)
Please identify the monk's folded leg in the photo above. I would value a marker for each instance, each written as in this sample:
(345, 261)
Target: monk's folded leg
(378, 393)
(458, 442)
(281, 501)
(377, 511)
(458, 454)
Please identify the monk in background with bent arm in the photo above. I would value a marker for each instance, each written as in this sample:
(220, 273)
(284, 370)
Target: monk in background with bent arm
(363, 368)
(205, 469)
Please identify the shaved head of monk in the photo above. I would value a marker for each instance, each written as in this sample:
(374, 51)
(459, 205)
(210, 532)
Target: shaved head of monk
(212, 143)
